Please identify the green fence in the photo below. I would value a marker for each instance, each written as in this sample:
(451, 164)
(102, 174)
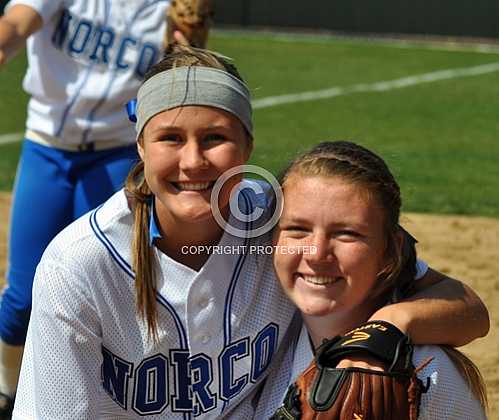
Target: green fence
(478, 18)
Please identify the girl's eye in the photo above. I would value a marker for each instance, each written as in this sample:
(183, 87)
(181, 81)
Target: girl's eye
(295, 228)
(170, 138)
(352, 234)
(214, 138)
(175, 138)
(294, 231)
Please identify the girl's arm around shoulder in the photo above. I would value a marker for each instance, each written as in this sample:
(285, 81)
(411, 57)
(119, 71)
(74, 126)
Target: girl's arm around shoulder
(439, 304)
(60, 376)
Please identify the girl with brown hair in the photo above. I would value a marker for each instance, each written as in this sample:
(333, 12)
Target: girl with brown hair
(343, 200)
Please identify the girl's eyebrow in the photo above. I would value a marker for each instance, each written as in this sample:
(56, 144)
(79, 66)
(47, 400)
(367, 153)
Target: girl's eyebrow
(293, 219)
(165, 126)
(340, 224)
(169, 126)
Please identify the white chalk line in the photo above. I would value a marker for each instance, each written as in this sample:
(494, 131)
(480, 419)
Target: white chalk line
(11, 138)
(382, 86)
(332, 92)
(327, 38)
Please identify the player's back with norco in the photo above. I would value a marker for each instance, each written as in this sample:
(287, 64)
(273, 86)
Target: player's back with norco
(95, 53)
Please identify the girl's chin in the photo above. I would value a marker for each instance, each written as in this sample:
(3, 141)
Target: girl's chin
(318, 310)
(192, 212)
(201, 217)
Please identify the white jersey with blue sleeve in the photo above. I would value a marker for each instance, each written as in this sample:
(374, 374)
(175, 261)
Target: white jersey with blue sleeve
(87, 62)
(88, 354)
(448, 397)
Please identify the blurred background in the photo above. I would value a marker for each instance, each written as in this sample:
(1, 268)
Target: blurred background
(445, 17)
(418, 82)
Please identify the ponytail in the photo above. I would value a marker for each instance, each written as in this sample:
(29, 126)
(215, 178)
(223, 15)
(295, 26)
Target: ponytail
(143, 261)
(140, 196)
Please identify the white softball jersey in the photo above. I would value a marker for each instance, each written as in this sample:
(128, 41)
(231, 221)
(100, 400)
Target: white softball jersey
(87, 62)
(88, 355)
(449, 396)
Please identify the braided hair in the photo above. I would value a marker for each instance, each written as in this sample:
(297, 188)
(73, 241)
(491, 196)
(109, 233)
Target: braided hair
(358, 165)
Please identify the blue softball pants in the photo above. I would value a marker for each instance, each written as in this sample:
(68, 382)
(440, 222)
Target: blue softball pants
(53, 187)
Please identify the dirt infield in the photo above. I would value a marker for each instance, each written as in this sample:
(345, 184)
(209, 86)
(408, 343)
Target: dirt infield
(462, 247)
(467, 248)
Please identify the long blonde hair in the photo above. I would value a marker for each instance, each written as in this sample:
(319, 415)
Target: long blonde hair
(359, 166)
(143, 262)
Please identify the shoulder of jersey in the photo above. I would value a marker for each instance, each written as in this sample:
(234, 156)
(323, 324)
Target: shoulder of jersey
(267, 195)
(448, 392)
(92, 231)
(263, 197)
(422, 353)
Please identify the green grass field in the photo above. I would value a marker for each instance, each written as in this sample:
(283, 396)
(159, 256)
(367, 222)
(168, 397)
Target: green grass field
(439, 138)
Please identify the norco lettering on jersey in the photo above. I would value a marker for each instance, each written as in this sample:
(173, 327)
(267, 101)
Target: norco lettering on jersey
(103, 45)
(187, 383)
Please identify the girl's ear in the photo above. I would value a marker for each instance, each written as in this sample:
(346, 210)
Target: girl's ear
(140, 147)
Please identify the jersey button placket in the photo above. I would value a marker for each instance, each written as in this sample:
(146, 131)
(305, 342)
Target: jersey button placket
(205, 339)
(205, 317)
(204, 302)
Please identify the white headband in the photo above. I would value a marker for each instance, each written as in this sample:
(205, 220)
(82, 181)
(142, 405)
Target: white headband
(194, 85)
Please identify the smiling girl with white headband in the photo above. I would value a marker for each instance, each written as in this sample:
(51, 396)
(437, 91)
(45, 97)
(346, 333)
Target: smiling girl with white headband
(127, 324)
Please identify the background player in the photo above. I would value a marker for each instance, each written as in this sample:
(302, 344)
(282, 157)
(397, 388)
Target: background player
(86, 60)
(162, 332)
(342, 199)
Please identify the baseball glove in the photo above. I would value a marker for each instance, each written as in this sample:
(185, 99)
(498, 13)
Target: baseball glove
(324, 392)
(191, 17)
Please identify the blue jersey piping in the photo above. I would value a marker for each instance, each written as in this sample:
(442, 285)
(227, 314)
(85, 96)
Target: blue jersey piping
(232, 288)
(128, 270)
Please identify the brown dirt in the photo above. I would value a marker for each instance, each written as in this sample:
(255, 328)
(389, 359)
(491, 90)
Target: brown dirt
(462, 247)
(467, 248)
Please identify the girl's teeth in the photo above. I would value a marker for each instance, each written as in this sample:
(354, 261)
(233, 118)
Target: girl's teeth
(192, 186)
(319, 279)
